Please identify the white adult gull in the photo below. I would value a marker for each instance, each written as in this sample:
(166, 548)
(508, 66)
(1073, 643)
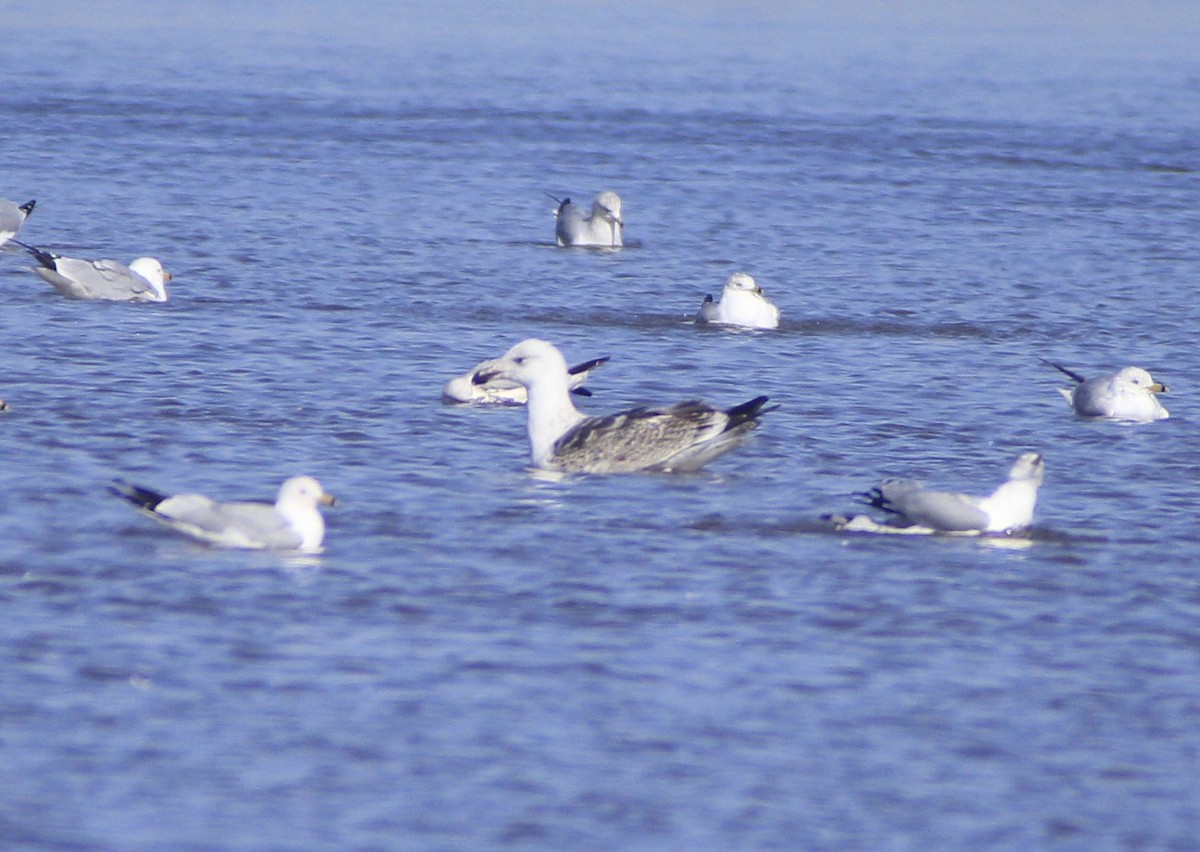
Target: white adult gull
(680, 437)
(293, 523)
(498, 391)
(1128, 395)
(742, 304)
(143, 280)
(12, 217)
(912, 508)
(574, 226)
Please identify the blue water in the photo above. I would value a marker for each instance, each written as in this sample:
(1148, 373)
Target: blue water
(352, 206)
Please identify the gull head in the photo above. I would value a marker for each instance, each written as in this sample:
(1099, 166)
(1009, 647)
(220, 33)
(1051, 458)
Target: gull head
(743, 283)
(1139, 378)
(150, 269)
(608, 206)
(303, 491)
(528, 363)
(1029, 467)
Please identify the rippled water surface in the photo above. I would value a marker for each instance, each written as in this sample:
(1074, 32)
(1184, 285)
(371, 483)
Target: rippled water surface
(354, 212)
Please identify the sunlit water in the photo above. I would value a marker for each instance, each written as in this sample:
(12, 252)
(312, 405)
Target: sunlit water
(487, 658)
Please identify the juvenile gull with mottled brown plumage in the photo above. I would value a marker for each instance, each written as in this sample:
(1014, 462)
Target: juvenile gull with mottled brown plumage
(681, 437)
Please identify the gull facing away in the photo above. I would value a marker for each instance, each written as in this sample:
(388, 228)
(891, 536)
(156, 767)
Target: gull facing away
(292, 523)
(681, 437)
(1127, 395)
(912, 508)
(143, 280)
(742, 303)
(498, 391)
(12, 217)
(574, 226)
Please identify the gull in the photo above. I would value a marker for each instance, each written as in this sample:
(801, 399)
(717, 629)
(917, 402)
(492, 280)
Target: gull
(912, 508)
(742, 304)
(12, 217)
(574, 227)
(1127, 395)
(680, 437)
(292, 523)
(498, 391)
(143, 280)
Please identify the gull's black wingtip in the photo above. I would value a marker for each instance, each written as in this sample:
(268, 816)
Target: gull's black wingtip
(45, 258)
(143, 498)
(750, 410)
(28, 206)
(588, 365)
(1070, 373)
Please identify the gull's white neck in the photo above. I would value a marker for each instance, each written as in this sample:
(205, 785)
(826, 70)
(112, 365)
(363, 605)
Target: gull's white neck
(1011, 505)
(551, 414)
(306, 520)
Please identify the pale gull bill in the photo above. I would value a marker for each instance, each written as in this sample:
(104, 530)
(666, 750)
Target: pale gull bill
(12, 217)
(743, 304)
(143, 280)
(465, 389)
(680, 437)
(293, 522)
(1128, 395)
(602, 226)
(911, 508)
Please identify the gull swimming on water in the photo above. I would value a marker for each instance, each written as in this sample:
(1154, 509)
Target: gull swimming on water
(1127, 395)
(742, 304)
(602, 227)
(292, 523)
(680, 437)
(912, 508)
(12, 217)
(498, 391)
(143, 280)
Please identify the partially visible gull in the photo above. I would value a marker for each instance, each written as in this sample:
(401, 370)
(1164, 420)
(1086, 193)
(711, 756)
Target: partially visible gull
(1127, 395)
(680, 437)
(602, 227)
(742, 304)
(498, 391)
(292, 523)
(12, 217)
(912, 508)
(143, 280)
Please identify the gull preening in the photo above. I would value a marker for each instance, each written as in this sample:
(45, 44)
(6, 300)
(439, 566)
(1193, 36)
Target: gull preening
(499, 391)
(293, 522)
(574, 226)
(12, 217)
(1127, 395)
(680, 437)
(143, 280)
(742, 304)
(912, 508)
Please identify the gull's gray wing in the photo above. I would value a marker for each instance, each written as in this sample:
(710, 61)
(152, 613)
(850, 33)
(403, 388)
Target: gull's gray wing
(571, 225)
(937, 510)
(101, 279)
(237, 524)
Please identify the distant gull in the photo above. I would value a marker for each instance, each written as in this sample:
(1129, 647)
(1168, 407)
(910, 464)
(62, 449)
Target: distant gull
(911, 508)
(742, 304)
(12, 217)
(602, 227)
(498, 391)
(143, 280)
(1127, 395)
(3, 405)
(680, 437)
(292, 523)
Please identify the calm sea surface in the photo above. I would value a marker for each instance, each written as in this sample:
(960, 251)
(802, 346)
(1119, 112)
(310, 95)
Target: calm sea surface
(352, 205)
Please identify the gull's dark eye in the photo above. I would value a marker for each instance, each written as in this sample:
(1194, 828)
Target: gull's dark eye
(520, 359)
